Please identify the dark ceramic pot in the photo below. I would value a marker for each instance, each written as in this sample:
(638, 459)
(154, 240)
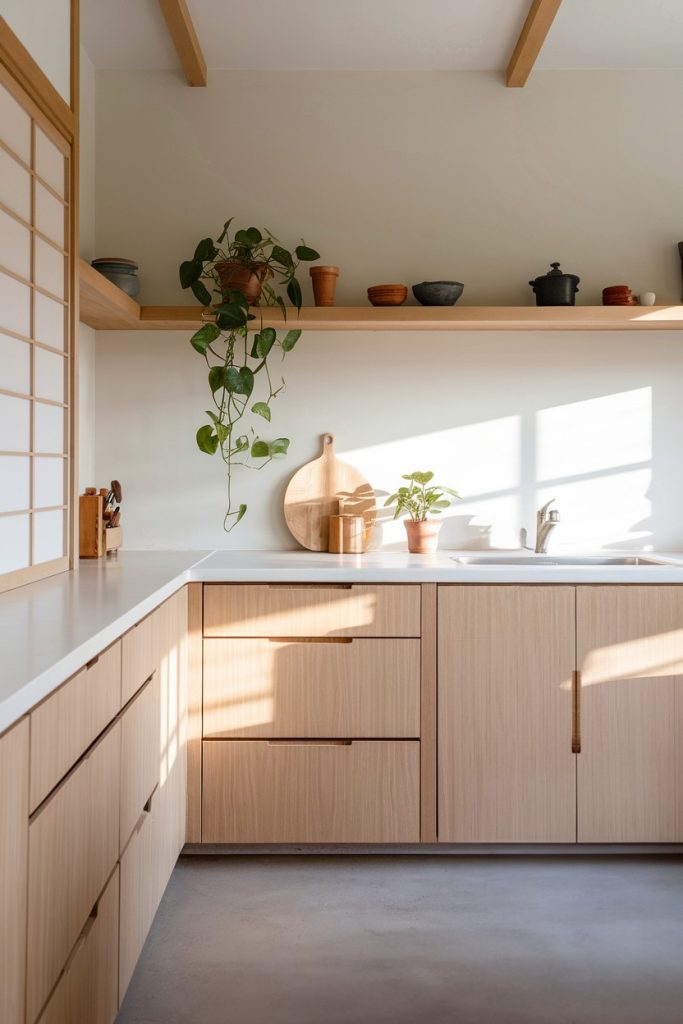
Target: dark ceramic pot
(555, 288)
(438, 293)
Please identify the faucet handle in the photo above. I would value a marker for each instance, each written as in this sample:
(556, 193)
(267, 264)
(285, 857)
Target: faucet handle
(554, 516)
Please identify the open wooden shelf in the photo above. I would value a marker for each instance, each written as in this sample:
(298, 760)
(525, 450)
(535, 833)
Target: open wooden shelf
(106, 308)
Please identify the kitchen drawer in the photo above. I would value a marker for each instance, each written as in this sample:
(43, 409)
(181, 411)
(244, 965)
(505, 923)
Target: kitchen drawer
(73, 848)
(64, 725)
(87, 992)
(361, 791)
(312, 689)
(139, 654)
(142, 885)
(310, 610)
(140, 754)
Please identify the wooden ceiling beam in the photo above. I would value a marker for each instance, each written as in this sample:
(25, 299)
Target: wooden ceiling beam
(185, 40)
(536, 27)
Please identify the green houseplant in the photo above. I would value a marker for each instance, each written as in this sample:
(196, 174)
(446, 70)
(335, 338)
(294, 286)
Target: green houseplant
(229, 276)
(419, 498)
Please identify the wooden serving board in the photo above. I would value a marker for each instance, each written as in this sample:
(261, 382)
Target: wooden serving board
(314, 493)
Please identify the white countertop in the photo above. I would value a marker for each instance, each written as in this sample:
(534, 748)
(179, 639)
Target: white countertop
(50, 629)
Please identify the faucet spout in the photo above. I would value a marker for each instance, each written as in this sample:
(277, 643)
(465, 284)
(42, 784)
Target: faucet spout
(545, 524)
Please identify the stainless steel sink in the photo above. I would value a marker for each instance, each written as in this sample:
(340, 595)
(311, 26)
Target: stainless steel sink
(532, 560)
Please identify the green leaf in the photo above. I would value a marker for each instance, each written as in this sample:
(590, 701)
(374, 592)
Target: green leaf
(279, 446)
(418, 477)
(189, 272)
(207, 440)
(246, 381)
(303, 252)
(242, 443)
(261, 409)
(223, 432)
(240, 514)
(289, 341)
(216, 378)
(201, 293)
(251, 237)
(448, 490)
(230, 315)
(294, 292)
(238, 382)
(265, 341)
(204, 336)
(281, 303)
(205, 250)
(237, 298)
(224, 232)
(281, 256)
(260, 449)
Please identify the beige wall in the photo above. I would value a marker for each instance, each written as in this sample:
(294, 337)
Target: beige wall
(407, 176)
(44, 27)
(87, 338)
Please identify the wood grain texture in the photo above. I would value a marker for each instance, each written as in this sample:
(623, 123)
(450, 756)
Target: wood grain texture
(103, 306)
(173, 739)
(428, 717)
(314, 494)
(140, 891)
(195, 670)
(630, 770)
(536, 27)
(311, 610)
(302, 689)
(73, 848)
(87, 992)
(139, 654)
(308, 792)
(64, 725)
(140, 745)
(506, 770)
(182, 32)
(14, 772)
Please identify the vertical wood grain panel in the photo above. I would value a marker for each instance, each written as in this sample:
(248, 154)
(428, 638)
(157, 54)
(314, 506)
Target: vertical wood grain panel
(428, 709)
(194, 712)
(14, 761)
(506, 770)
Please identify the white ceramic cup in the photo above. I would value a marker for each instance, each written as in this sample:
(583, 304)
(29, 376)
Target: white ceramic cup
(646, 298)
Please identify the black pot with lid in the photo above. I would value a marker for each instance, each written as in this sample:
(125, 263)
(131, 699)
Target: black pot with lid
(555, 288)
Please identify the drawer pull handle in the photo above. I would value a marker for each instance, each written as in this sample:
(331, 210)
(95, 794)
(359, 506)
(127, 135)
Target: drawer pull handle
(93, 661)
(310, 586)
(576, 712)
(310, 640)
(310, 743)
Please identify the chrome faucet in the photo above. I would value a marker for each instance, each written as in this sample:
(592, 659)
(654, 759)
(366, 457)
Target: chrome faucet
(545, 524)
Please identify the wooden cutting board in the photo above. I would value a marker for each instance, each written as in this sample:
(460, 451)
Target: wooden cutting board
(314, 493)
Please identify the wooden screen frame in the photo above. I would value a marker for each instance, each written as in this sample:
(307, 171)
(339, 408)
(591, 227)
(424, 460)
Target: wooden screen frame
(23, 78)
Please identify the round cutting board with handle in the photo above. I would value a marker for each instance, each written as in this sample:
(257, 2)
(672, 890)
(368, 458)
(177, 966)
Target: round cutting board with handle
(315, 492)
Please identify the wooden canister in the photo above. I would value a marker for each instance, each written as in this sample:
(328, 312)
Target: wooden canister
(346, 535)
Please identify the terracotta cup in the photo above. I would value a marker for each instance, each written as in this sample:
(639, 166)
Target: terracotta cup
(423, 535)
(248, 280)
(324, 284)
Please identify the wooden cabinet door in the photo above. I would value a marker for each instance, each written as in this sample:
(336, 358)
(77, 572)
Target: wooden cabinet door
(506, 769)
(140, 754)
(13, 870)
(630, 769)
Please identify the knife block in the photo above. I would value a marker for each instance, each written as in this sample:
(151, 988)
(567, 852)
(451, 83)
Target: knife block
(95, 539)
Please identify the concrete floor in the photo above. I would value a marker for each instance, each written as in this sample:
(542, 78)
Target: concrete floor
(401, 940)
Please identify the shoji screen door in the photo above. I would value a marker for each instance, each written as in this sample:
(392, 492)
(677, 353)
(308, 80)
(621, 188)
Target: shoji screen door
(35, 350)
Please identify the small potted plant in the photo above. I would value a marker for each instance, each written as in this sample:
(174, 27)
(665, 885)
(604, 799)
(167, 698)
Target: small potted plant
(420, 498)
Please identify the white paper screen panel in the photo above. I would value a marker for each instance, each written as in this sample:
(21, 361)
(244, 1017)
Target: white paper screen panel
(35, 371)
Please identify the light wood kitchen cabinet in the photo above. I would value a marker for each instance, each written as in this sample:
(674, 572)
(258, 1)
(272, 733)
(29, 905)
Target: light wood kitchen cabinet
(506, 771)
(311, 610)
(73, 848)
(268, 791)
(303, 689)
(65, 724)
(630, 769)
(143, 880)
(140, 753)
(14, 769)
(139, 654)
(87, 991)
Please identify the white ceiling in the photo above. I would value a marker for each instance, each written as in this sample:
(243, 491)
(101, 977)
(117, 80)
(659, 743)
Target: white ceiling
(386, 34)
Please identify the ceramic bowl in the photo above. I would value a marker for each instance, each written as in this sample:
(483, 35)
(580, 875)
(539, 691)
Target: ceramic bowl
(438, 293)
(127, 282)
(388, 294)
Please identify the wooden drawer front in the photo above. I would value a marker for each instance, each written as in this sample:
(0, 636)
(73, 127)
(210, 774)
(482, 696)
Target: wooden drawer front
(87, 992)
(73, 848)
(303, 689)
(256, 791)
(139, 654)
(140, 755)
(142, 886)
(64, 726)
(311, 610)
(14, 762)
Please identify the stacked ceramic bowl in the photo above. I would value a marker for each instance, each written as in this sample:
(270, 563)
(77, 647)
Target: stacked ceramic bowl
(122, 273)
(618, 295)
(388, 294)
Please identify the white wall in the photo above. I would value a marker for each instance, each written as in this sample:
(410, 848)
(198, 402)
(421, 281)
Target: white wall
(86, 336)
(407, 176)
(44, 27)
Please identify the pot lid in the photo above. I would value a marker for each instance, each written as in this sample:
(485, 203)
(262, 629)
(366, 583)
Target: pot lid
(556, 272)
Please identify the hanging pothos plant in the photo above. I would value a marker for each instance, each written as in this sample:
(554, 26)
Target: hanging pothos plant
(231, 276)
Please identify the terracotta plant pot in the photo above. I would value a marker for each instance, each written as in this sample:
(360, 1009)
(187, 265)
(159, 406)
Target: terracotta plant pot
(423, 535)
(324, 284)
(248, 280)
